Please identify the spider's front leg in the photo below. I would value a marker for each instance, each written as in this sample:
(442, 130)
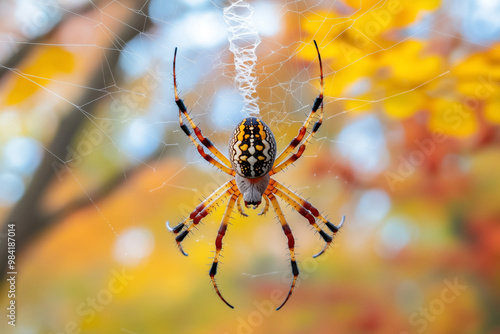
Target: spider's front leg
(279, 163)
(222, 163)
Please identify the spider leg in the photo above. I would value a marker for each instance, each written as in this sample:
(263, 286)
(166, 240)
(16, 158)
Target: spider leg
(218, 243)
(318, 102)
(222, 189)
(201, 211)
(291, 159)
(266, 206)
(240, 208)
(308, 206)
(225, 165)
(306, 214)
(291, 243)
(296, 156)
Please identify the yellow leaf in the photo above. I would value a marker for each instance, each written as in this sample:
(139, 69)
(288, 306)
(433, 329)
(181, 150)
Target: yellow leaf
(404, 105)
(48, 63)
(319, 23)
(468, 87)
(413, 9)
(452, 118)
(382, 15)
(336, 85)
(345, 41)
(492, 110)
(409, 66)
(360, 104)
(362, 5)
(481, 65)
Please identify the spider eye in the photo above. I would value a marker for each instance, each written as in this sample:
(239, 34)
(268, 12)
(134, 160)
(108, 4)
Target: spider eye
(252, 148)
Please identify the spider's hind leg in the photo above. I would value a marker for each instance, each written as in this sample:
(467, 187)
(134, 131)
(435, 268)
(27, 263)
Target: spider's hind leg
(218, 244)
(308, 211)
(291, 244)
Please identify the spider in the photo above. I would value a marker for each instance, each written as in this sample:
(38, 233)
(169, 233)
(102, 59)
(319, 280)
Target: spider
(252, 161)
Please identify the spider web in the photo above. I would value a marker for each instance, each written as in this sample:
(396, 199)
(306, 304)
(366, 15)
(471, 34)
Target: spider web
(136, 126)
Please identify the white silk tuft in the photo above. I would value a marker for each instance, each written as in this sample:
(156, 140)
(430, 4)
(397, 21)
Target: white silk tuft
(243, 41)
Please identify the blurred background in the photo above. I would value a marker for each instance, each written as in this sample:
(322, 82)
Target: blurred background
(93, 163)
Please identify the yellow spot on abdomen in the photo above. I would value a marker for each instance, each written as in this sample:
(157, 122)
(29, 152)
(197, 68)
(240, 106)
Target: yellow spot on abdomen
(261, 130)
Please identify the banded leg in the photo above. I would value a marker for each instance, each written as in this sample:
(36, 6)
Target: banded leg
(202, 152)
(213, 196)
(202, 211)
(218, 243)
(290, 160)
(302, 148)
(291, 244)
(308, 206)
(224, 163)
(266, 206)
(240, 208)
(306, 214)
(318, 102)
(222, 189)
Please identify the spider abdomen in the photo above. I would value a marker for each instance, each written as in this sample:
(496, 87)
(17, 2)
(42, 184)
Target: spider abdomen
(252, 148)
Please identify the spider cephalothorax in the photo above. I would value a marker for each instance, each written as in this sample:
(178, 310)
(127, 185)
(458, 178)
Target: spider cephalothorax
(252, 161)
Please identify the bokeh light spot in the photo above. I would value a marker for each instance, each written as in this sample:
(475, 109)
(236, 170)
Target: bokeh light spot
(363, 144)
(227, 108)
(394, 236)
(22, 155)
(133, 245)
(372, 207)
(11, 190)
(140, 139)
(266, 18)
(205, 29)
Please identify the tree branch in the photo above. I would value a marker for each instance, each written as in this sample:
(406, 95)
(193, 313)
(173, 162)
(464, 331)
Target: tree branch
(104, 190)
(25, 48)
(27, 212)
